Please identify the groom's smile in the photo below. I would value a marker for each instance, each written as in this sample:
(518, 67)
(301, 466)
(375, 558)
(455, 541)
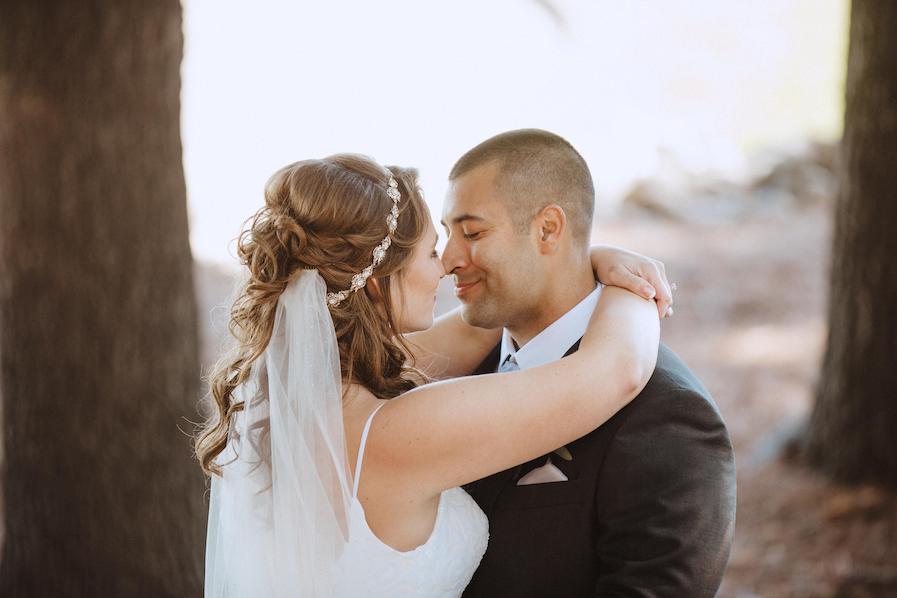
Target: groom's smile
(463, 289)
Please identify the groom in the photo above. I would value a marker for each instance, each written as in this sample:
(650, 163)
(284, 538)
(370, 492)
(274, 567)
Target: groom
(645, 504)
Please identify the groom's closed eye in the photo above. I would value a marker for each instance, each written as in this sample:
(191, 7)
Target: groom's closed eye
(461, 220)
(473, 235)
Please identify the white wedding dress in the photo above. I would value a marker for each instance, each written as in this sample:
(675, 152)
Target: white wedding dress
(441, 567)
(284, 518)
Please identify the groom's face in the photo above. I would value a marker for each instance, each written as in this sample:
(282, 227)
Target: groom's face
(494, 264)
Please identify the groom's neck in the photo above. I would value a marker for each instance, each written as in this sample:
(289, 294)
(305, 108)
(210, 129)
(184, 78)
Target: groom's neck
(567, 287)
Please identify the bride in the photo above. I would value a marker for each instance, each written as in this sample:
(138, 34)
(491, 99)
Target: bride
(314, 496)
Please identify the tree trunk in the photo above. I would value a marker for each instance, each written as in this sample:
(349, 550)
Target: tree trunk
(97, 313)
(853, 428)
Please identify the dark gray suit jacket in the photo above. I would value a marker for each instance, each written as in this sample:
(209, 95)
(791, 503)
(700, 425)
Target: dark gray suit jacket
(648, 508)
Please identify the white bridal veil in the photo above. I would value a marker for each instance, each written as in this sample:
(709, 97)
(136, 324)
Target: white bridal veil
(278, 517)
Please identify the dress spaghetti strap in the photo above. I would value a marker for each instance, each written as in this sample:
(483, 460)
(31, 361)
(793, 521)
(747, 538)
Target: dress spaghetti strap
(364, 439)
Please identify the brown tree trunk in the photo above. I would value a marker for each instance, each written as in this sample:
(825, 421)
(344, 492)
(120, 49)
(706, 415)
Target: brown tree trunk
(98, 340)
(853, 428)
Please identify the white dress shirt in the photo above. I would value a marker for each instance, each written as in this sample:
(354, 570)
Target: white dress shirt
(552, 343)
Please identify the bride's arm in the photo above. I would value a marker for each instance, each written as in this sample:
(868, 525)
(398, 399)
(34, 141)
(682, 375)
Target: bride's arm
(449, 433)
(618, 267)
(452, 348)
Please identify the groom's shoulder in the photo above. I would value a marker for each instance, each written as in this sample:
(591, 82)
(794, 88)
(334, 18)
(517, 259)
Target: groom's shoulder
(672, 396)
(673, 420)
(671, 375)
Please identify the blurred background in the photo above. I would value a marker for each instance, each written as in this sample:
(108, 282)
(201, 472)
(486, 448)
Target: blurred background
(714, 134)
(644, 90)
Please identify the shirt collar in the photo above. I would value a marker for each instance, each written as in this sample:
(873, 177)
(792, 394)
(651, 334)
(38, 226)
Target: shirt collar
(553, 342)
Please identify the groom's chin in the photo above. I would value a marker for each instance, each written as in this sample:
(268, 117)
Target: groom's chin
(476, 315)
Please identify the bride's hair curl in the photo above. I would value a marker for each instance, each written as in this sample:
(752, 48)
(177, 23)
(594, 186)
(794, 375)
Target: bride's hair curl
(327, 215)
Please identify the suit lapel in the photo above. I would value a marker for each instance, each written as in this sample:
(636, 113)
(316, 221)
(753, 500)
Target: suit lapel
(487, 490)
(490, 364)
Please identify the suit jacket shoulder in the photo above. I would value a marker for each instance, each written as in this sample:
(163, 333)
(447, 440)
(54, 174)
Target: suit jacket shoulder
(665, 491)
(649, 509)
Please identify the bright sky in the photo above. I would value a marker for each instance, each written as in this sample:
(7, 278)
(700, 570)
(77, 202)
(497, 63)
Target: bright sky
(418, 83)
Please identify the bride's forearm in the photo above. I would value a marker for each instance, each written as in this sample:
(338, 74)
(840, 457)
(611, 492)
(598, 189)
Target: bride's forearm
(624, 330)
(642, 275)
(451, 347)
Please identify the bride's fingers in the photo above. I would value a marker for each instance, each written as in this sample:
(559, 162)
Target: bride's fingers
(655, 274)
(635, 283)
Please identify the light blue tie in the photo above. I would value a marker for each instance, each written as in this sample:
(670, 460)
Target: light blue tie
(510, 365)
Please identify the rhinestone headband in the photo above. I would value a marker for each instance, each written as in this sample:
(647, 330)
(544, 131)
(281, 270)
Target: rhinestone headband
(379, 252)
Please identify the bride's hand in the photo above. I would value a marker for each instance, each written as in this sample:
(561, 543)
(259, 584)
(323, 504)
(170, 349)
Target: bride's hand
(634, 272)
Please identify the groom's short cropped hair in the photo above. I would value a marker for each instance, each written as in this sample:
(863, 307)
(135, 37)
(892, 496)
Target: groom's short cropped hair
(536, 168)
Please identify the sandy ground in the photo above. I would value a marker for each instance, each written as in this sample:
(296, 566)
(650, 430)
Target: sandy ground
(750, 322)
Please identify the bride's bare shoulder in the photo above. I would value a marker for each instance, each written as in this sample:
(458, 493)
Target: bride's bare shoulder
(358, 403)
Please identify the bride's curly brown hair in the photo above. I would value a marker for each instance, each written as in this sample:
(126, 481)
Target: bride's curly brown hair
(328, 215)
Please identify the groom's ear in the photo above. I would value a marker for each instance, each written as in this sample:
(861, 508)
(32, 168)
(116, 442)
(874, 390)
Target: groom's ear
(551, 222)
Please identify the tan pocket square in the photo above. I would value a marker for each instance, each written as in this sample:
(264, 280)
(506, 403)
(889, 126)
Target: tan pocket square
(543, 475)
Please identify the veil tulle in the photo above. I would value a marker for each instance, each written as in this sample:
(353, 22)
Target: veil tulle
(278, 516)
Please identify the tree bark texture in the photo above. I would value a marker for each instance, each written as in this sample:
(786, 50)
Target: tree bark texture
(98, 334)
(853, 428)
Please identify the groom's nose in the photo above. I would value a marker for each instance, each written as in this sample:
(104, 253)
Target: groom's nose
(453, 256)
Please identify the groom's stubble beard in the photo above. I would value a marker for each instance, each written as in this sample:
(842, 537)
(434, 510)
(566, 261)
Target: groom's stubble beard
(485, 312)
(510, 293)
